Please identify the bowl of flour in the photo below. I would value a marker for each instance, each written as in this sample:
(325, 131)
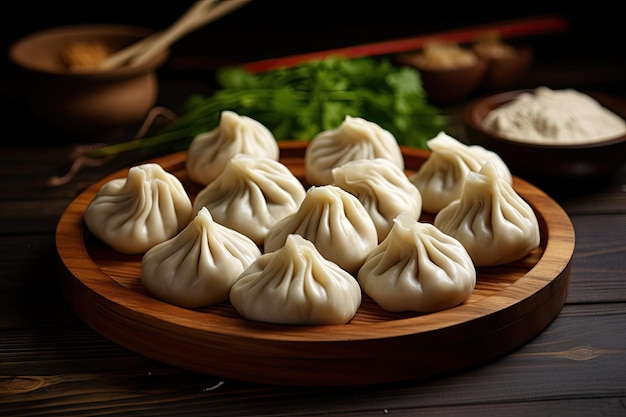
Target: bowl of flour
(551, 136)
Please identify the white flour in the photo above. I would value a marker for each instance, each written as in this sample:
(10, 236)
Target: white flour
(555, 117)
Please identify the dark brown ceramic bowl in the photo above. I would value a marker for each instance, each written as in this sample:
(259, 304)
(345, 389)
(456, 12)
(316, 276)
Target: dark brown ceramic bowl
(447, 85)
(550, 165)
(85, 102)
(505, 71)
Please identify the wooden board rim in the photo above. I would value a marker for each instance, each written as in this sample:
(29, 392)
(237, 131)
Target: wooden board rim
(89, 289)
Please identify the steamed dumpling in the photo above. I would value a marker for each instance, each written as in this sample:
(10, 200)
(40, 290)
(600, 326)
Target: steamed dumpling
(382, 187)
(251, 195)
(417, 268)
(335, 221)
(355, 138)
(441, 177)
(209, 152)
(296, 285)
(494, 223)
(198, 266)
(133, 214)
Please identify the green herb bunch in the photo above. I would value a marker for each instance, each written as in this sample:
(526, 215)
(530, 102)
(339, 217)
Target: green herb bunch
(296, 103)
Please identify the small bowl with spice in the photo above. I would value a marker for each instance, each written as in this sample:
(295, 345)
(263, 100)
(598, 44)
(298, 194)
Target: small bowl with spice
(551, 137)
(507, 62)
(449, 72)
(65, 87)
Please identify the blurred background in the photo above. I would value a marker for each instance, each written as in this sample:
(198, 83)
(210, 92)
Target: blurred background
(266, 29)
(271, 28)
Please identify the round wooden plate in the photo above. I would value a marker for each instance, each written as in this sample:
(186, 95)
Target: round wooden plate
(510, 305)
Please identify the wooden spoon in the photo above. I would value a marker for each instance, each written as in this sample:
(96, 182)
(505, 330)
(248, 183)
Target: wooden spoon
(199, 14)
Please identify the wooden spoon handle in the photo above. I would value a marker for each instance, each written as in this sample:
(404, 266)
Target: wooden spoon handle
(120, 57)
(199, 14)
(189, 23)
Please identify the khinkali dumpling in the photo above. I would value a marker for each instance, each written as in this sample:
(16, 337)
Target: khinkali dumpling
(355, 138)
(133, 214)
(335, 221)
(494, 223)
(251, 195)
(440, 178)
(296, 285)
(199, 265)
(209, 152)
(382, 187)
(417, 268)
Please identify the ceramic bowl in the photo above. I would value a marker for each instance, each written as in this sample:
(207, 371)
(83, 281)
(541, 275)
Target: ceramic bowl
(547, 164)
(504, 70)
(450, 84)
(85, 102)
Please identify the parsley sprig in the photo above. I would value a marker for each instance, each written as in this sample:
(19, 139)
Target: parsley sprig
(296, 103)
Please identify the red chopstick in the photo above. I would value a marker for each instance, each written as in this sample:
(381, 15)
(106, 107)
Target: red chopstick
(506, 29)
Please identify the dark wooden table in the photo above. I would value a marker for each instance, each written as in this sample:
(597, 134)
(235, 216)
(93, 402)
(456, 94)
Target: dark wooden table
(51, 363)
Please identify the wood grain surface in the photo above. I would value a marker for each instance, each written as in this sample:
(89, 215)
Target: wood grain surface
(510, 305)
